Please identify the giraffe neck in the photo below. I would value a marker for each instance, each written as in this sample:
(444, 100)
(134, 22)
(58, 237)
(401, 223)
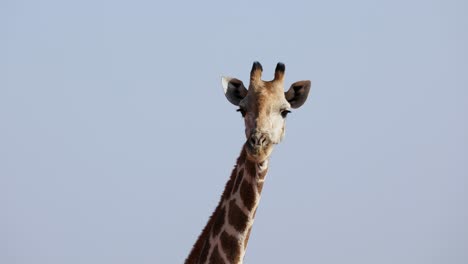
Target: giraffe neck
(224, 238)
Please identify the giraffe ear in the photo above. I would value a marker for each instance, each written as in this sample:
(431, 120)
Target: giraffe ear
(297, 94)
(234, 90)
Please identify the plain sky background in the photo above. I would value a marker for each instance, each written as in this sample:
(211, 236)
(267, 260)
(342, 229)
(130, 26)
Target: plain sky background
(116, 139)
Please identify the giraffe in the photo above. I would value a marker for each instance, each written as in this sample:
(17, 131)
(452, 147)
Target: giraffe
(264, 107)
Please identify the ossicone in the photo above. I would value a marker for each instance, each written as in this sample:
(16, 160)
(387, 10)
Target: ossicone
(256, 72)
(279, 72)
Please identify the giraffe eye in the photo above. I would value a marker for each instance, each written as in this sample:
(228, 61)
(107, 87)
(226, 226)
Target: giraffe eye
(242, 111)
(284, 113)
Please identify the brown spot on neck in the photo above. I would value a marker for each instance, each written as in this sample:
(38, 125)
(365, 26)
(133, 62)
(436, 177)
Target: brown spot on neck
(248, 194)
(219, 222)
(240, 176)
(251, 168)
(231, 247)
(216, 257)
(236, 217)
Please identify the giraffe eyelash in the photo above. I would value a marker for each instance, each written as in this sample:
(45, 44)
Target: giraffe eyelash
(284, 113)
(242, 111)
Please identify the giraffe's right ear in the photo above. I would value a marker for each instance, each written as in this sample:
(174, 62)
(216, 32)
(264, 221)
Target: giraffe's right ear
(234, 90)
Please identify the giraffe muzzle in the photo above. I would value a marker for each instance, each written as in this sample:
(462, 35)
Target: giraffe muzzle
(258, 141)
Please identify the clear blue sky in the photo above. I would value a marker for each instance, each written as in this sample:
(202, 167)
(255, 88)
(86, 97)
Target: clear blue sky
(116, 139)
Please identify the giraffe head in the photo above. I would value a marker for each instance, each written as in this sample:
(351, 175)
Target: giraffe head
(264, 107)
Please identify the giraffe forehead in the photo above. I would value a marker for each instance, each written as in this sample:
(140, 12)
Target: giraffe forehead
(262, 96)
(265, 99)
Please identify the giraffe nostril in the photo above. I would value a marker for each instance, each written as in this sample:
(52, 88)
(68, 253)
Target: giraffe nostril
(258, 140)
(253, 141)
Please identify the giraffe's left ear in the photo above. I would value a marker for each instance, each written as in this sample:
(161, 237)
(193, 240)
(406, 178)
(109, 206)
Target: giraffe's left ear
(297, 94)
(234, 90)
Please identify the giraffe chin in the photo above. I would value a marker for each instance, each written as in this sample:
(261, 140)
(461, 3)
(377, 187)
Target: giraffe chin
(258, 154)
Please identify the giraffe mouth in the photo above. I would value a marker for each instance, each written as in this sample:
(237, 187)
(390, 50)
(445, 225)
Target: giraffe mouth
(259, 152)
